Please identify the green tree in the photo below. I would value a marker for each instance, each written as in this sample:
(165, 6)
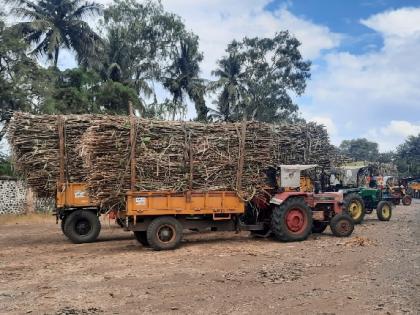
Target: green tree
(408, 156)
(73, 92)
(229, 83)
(139, 40)
(56, 24)
(182, 77)
(270, 68)
(22, 81)
(145, 44)
(360, 149)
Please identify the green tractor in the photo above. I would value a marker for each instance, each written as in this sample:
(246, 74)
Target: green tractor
(360, 192)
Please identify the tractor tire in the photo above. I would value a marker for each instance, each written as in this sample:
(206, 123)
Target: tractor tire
(406, 200)
(82, 226)
(319, 226)
(292, 220)
(384, 211)
(62, 223)
(342, 225)
(164, 233)
(141, 237)
(355, 207)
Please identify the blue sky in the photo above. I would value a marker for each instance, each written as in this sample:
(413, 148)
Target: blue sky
(366, 71)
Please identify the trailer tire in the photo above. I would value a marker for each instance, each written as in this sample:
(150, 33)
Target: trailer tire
(384, 211)
(355, 207)
(141, 237)
(292, 220)
(406, 200)
(342, 225)
(82, 226)
(164, 233)
(319, 226)
(62, 223)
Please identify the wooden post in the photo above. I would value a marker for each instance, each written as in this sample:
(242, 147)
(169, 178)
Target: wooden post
(190, 179)
(241, 156)
(61, 180)
(133, 134)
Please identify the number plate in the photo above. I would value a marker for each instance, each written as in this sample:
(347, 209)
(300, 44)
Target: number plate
(141, 201)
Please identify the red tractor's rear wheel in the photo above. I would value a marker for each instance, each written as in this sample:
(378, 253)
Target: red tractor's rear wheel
(292, 220)
(406, 200)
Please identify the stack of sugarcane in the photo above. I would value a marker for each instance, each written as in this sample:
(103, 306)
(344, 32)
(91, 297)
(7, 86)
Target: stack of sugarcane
(170, 155)
(34, 142)
(178, 156)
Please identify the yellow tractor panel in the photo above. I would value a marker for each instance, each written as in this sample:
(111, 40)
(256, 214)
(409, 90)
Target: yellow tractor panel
(414, 186)
(73, 195)
(172, 203)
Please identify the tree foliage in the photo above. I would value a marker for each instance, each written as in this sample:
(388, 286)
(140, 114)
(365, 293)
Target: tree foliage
(256, 77)
(146, 44)
(360, 149)
(182, 77)
(56, 24)
(408, 156)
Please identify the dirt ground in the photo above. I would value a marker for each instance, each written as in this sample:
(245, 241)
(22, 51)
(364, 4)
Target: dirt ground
(375, 271)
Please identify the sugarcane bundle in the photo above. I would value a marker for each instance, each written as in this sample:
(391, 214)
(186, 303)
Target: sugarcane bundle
(178, 156)
(34, 142)
(170, 155)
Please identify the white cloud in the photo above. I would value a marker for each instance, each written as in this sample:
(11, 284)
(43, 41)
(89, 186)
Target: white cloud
(393, 134)
(401, 23)
(374, 88)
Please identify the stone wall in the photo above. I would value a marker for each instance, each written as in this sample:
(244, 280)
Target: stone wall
(13, 196)
(17, 198)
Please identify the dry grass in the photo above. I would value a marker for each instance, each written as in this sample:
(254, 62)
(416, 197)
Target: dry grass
(10, 219)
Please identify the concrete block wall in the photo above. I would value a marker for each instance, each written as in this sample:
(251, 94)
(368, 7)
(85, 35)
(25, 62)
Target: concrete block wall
(17, 198)
(13, 198)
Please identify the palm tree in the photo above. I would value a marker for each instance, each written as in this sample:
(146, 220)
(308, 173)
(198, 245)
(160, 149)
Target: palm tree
(183, 77)
(229, 75)
(56, 24)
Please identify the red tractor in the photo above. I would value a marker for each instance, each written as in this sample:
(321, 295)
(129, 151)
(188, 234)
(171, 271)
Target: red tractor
(291, 215)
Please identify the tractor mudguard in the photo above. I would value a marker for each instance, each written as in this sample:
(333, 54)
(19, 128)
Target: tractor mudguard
(279, 198)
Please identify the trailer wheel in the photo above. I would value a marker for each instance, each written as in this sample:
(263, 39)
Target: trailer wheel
(319, 226)
(292, 220)
(342, 225)
(355, 207)
(62, 223)
(141, 237)
(406, 200)
(384, 211)
(164, 233)
(82, 226)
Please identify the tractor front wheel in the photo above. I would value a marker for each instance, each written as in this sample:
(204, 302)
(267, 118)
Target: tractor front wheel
(292, 220)
(342, 225)
(406, 200)
(384, 211)
(164, 233)
(355, 207)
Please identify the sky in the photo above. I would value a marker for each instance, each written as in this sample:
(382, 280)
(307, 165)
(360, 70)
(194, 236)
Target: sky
(365, 57)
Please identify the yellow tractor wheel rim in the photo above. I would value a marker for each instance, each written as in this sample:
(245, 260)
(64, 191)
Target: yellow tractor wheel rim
(386, 211)
(355, 210)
